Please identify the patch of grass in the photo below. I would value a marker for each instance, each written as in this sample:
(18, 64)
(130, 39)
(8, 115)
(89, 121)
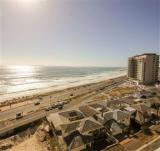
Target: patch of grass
(100, 97)
(121, 91)
(116, 92)
(53, 142)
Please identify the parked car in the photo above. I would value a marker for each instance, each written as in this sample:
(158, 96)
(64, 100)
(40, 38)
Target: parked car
(66, 101)
(71, 94)
(48, 109)
(60, 103)
(60, 107)
(143, 97)
(19, 115)
(54, 106)
(36, 103)
(40, 97)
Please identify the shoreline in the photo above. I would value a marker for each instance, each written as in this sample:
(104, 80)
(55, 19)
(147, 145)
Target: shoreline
(25, 98)
(34, 91)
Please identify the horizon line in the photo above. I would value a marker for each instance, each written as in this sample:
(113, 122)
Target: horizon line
(62, 66)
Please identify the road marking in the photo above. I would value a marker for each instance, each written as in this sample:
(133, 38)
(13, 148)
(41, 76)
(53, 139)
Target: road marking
(149, 143)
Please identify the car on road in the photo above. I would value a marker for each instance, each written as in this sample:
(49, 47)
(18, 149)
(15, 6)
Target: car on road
(54, 106)
(48, 109)
(71, 94)
(19, 115)
(40, 97)
(36, 103)
(60, 107)
(66, 101)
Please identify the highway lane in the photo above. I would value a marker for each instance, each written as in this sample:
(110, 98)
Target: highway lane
(23, 121)
(27, 119)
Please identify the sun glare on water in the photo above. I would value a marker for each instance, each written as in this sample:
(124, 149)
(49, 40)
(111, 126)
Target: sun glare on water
(22, 68)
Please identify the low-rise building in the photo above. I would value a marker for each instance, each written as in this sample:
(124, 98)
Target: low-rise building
(80, 133)
(119, 116)
(117, 122)
(89, 111)
(116, 104)
(114, 128)
(101, 106)
(143, 113)
(130, 110)
(60, 118)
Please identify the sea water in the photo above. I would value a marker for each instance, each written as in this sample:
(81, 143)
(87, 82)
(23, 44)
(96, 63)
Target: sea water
(27, 80)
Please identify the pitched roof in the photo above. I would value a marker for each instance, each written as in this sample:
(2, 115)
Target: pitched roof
(76, 140)
(113, 127)
(119, 115)
(143, 108)
(88, 111)
(83, 126)
(69, 138)
(139, 117)
(116, 114)
(108, 115)
(89, 125)
(68, 128)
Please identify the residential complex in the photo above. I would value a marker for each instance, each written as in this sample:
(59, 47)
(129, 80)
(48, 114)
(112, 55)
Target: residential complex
(144, 68)
(100, 125)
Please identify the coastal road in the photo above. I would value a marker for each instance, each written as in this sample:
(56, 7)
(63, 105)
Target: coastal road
(47, 100)
(26, 120)
(9, 114)
(32, 117)
(40, 114)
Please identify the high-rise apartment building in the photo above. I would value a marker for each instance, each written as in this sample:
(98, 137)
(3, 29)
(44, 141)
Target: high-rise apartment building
(144, 68)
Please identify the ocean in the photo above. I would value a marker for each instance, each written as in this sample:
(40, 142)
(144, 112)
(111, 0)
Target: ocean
(16, 81)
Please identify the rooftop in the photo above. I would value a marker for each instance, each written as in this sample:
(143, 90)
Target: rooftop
(117, 115)
(145, 54)
(72, 115)
(74, 140)
(114, 127)
(64, 117)
(88, 110)
(142, 108)
(83, 126)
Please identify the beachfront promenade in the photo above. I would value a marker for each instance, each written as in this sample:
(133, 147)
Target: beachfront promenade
(34, 112)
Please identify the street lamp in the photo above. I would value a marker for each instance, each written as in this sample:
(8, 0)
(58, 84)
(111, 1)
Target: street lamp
(50, 100)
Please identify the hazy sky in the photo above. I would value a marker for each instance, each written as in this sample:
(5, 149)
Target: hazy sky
(77, 32)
